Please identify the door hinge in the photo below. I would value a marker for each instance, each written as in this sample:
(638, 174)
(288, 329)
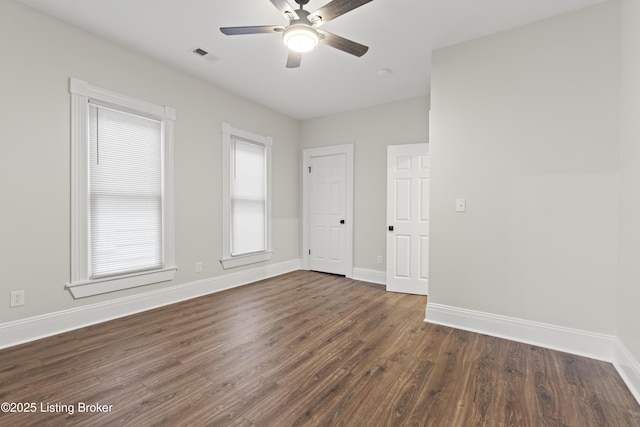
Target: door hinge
(309, 169)
(309, 251)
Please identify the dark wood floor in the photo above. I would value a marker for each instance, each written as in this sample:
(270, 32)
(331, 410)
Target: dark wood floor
(304, 349)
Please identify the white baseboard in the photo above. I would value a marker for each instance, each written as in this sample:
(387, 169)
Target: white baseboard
(372, 276)
(603, 347)
(628, 367)
(33, 328)
(575, 341)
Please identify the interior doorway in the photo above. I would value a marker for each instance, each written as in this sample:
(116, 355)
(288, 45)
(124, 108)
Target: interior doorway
(328, 209)
(408, 218)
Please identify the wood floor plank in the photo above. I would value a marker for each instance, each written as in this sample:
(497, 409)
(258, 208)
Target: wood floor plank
(305, 349)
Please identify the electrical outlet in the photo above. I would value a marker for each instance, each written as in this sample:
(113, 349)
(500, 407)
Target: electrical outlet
(379, 259)
(17, 298)
(198, 267)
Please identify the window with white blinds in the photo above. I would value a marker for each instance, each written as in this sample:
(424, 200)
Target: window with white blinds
(122, 232)
(125, 192)
(246, 197)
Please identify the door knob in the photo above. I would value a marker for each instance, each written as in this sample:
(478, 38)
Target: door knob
(342, 221)
(391, 228)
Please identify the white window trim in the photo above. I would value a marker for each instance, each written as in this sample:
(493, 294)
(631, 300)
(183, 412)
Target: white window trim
(228, 260)
(81, 285)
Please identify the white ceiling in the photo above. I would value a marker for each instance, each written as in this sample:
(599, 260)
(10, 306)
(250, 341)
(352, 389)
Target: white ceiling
(400, 34)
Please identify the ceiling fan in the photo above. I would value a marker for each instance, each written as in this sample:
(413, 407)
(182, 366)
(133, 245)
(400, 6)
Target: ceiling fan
(303, 33)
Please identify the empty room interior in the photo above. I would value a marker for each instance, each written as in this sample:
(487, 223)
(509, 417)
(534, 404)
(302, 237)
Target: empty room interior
(431, 217)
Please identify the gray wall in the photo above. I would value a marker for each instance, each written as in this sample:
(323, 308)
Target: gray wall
(524, 125)
(370, 130)
(39, 54)
(629, 287)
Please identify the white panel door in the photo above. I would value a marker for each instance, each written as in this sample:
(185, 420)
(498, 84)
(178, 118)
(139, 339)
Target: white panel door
(327, 205)
(408, 218)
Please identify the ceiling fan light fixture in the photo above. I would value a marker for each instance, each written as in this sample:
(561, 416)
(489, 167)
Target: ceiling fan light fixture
(300, 38)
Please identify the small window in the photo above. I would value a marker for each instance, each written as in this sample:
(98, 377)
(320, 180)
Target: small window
(122, 213)
(246, 197)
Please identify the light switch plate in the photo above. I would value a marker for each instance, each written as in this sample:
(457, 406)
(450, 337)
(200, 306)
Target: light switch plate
(461, 205)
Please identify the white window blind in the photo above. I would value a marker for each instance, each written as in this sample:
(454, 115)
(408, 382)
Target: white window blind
(248, 198)
(125, 192)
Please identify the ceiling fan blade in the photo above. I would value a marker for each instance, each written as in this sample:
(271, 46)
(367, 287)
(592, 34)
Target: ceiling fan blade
(285, 8)
(336, 8)
(343, 44)
(294, 59)
(262, 29)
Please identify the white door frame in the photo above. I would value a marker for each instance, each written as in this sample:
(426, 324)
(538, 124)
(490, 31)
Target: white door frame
(308, 154)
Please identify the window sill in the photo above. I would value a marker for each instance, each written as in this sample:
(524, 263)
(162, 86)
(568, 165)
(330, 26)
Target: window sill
(240, 260)
(111, 284)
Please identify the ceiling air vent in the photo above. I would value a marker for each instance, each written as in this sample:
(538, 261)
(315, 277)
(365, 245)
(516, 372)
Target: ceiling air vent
(200, 51)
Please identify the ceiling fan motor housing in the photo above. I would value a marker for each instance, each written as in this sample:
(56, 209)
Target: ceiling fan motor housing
(300, 35)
